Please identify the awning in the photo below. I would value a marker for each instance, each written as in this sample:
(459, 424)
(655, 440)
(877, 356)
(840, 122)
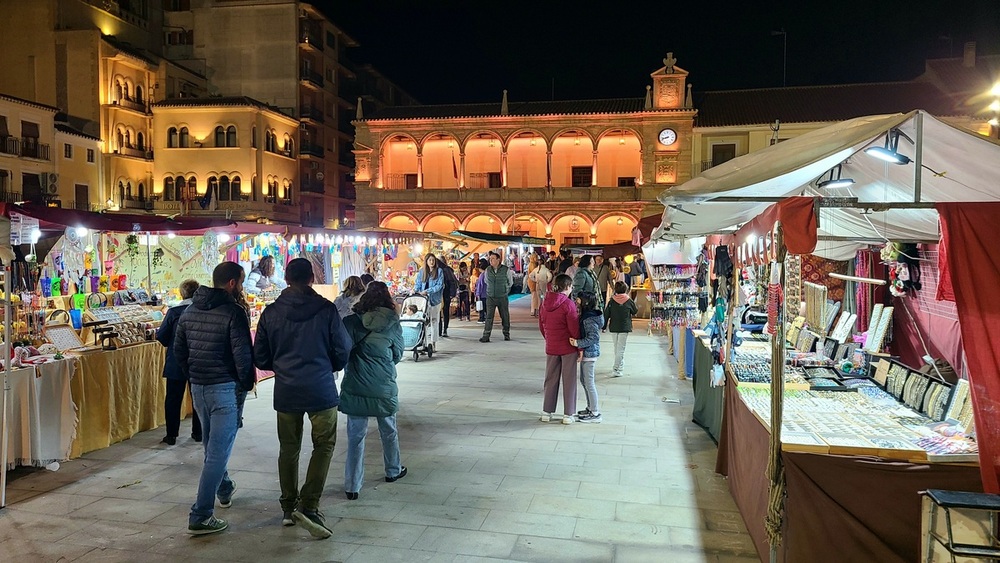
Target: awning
(504, 239)
(4, 132)
(958, 166)
(118, 222)
(29, 129)
(607, 250)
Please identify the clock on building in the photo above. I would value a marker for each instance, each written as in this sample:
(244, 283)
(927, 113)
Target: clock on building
(667, 137)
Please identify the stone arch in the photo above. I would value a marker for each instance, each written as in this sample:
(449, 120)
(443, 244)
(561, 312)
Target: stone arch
(612, 130)
(439, 214)
(441, 163)
(609, 232)
(472, 218)
(386, 139)
(432, 134)
(475, 135)
(399, 220)
(538, 228)
(514, 135)
(564, 130)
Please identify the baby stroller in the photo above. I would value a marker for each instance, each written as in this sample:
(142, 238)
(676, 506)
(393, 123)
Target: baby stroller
(415, 329)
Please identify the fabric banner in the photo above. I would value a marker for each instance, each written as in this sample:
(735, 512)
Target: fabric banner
(798, 219)
(968, 231)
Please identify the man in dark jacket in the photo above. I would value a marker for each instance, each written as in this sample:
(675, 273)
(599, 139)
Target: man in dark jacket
(499, 280)
(213, 349)
(566, 262)
(177, 382)
(450, 291)
(301, 337)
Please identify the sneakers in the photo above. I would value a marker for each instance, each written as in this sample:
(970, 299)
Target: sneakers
(568, 418)
(313, 522)
(546, 417)
(617, 374)
(211, 526)
(484, 339)
(590, 417)
(583, 412)
(481, 321)
(402, 473)
(506, 337)
(286, 518)
(351, 496)
(169, 440)
(196, 437)
(227, 500)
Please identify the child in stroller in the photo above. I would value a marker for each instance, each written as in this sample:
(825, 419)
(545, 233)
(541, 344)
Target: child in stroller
(415, 323)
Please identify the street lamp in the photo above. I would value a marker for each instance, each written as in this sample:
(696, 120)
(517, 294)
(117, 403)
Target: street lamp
(995, 109)
(784, 55)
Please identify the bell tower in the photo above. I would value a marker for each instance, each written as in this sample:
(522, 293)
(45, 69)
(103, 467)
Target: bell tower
(669, 84)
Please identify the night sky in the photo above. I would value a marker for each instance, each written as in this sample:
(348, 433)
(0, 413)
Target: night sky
(450, 51)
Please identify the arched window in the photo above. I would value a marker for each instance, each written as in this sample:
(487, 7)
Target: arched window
(268, 141)
(128, 190)
(274, 140)
(128, 139)
(138, 94)
(184, 138)
(254, 188)
(120, 138)
(125, 91)
(118, 90)
(172, 137)
(140, 141)
(253, 137)
(142, 192)
(220, 136)
(179, 187)
(121, 192)
(192, 188)
(231, 136)
(168, 189)
(237, 189)
(224, 194)
(289, 146)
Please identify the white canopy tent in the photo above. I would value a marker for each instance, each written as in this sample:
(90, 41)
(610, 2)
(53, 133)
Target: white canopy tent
(956, 165)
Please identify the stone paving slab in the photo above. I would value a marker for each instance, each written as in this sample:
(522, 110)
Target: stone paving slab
(487, 481)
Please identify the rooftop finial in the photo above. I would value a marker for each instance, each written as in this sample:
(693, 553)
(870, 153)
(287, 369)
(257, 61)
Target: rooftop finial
(503, 105)
(669, 63)
(649, 97)
(689, 100)
(360, 114)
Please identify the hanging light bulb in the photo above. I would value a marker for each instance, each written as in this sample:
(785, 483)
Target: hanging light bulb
(532, 143)
(576, 141)
(621, 138)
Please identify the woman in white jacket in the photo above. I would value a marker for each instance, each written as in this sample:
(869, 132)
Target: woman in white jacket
(539, 277)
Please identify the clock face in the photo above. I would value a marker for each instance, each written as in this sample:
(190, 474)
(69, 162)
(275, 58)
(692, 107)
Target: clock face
(667, 137)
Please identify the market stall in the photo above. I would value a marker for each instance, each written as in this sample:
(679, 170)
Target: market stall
(514, 250)
(887, 427)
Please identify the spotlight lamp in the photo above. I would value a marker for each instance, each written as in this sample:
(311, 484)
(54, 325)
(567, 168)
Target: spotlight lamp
(834, 179)
(889, 152)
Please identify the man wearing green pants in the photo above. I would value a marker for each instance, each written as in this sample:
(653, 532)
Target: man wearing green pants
(302, 338)
(499, 280)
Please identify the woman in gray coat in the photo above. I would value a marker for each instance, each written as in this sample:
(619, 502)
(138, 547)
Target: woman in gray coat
(584, 279)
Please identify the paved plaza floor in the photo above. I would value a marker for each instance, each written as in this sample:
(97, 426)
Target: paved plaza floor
(487, 481)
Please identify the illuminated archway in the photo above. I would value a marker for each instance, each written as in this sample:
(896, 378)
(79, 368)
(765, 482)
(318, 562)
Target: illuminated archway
(484, 223)
(398, 167)
(483, 155)
(399, 222)
(527, 160)
(619, 159)
(527, 224)
(571, 228)
(440, 223)
(441, 160)
(572, 159)
(615, 227)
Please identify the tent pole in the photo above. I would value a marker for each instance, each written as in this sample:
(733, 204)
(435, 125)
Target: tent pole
(918, 158)
(775, 467)
(7, 312)
(149, 267)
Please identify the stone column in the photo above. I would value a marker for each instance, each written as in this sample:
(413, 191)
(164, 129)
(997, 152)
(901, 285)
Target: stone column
(593, 178)
(548, 169)
(420, 170)
(503, 168)
(381, 170)
(461, 170)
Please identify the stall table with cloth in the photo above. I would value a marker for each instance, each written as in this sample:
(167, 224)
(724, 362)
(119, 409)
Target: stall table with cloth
(41, 417)
(838, 507)
(708, 400)
(119, 393)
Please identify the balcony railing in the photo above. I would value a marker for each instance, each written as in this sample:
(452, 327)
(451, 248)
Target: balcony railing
(311, 76)
(31, 148)
(134, 105)
(10, 197)
(705, 165)
(10, 145)
(314, 186)
(311, 149)
(437, 195)
(137, 153)
(145, 205)
(311, 38)
(311, 113)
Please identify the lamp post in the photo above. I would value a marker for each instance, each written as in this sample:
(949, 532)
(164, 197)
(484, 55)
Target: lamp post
(784, 55)
(995, 108)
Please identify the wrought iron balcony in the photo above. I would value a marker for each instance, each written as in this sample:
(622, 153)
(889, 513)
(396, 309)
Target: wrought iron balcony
(311, 76)
(312, 149)
(134, 152)
(10, 145)
(311, 113)
(31, 148)
(134, 105)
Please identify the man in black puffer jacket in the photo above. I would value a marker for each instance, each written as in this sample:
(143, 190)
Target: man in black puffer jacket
(303, 340)
(213, 349)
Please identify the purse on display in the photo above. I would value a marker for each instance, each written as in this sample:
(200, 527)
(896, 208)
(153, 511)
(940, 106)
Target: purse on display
(97, 300)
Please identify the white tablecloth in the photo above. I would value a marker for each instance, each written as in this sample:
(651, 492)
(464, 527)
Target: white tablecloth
(41, 414)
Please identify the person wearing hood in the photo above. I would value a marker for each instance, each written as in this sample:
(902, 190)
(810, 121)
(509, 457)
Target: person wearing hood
(369, 387)
(558, 323)
(213, 349)
(430, 282)
(619, 312)
(302, 339)
(591, 323)
(261, 277)
(176, 382)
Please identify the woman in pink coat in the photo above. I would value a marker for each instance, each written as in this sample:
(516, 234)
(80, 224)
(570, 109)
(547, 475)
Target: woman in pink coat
(559, 321)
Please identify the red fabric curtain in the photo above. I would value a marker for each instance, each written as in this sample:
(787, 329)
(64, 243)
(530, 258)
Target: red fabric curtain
(968, 231)
(798, 220)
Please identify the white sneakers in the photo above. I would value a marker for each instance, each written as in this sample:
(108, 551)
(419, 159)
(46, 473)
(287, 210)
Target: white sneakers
(546, 417)
(566, 419)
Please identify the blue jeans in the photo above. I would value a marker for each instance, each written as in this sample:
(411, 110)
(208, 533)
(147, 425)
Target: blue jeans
(219, 414)
(357, 428)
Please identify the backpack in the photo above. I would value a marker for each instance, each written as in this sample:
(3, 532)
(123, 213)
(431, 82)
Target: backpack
(450, 282)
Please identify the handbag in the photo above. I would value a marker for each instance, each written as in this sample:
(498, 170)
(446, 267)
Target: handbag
(479, 305)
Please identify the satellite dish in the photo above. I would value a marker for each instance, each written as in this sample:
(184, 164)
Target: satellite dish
(320, 176)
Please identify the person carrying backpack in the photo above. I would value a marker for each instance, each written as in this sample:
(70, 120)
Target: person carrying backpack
(619, 312)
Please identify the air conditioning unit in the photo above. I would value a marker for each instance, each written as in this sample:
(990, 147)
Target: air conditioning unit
(314, 165)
